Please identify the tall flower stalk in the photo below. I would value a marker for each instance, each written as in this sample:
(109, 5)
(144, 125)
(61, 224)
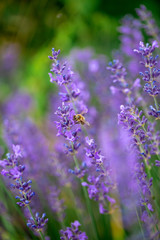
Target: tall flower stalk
(14, 171)
(71, 127)
(68, 126)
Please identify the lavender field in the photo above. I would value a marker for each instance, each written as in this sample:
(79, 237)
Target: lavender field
(80, 134)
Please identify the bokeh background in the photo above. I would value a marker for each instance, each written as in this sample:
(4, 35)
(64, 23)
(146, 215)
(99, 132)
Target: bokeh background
(30, 28)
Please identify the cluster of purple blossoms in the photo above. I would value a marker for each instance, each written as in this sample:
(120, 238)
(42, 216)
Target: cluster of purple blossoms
(73, 232)
(70, 113)
(130, 118)
(143, 132)
(69, 83)
(14, 171)
(37, 223)
(154, 113)
(95, 155)
(10, 164)
(25, 192)
(66, 127)
(99, 181)
(151, 76)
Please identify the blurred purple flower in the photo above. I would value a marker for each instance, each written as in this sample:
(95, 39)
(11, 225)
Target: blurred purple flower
(73, 232)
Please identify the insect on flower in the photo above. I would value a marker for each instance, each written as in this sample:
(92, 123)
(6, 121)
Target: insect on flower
(79, 118)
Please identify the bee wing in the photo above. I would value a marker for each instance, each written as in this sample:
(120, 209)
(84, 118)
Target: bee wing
(83, 112)
(87, 123)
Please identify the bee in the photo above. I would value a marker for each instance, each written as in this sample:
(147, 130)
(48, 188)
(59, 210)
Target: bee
(79, 118)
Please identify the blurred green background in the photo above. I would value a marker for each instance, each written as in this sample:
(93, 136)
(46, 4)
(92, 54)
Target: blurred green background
(30, 28)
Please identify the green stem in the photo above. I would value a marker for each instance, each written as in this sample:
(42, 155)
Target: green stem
(42, 236)
(90, 212)
(75, 205)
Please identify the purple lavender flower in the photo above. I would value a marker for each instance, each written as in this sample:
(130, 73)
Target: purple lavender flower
(154, 112)
(143, 133)
(131, 120)
(25, 192)
(99, 181)
(146, 51)
(10, 165)
(151, 75)
(91, 152)
(13, 170)
(66, 126)
(146, 140)
(73, 232)
(54, 54)
(63, 74)
(37, 223)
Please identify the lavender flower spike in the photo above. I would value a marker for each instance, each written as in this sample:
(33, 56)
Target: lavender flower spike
(12, 169)
(146, 50)
(40, 222)
(73, 232)
(99, 182)
(152, 86)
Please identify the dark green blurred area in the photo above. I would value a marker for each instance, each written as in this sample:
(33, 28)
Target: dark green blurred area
(30, 28)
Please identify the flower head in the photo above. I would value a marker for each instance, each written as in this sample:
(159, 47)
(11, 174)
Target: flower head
(73, 232)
